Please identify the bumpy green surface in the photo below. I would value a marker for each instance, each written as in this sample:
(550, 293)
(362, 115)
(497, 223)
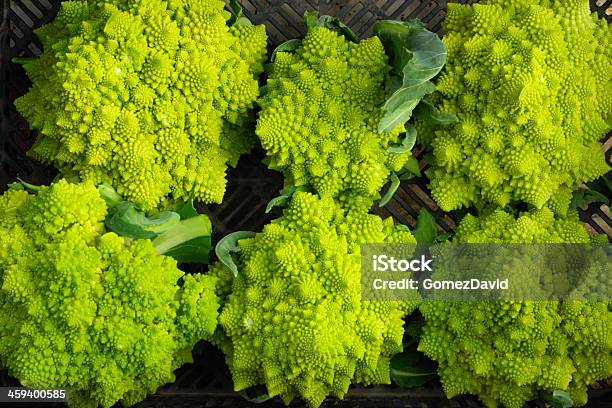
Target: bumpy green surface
(529, 81)
(79, 308)
(149, 96)
(293, 318)
(320, 115)
(506, 352)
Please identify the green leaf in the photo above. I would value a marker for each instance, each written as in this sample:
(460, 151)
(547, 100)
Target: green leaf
(402, 227)
(237, 17)
(418, 55)
(443, 238)
(127, 220)
(22, 185)
(187, 241)
(412, 166)
(557, 398)
(398, 108)
(15, 186)
(186, 210)
(312, 20)
(411, 369)
(257, 394)
(426, 229)
(110, 196)
(602, 185)
(229, 244)
(287, 46)
(407, 142)
(582, 197)
(285, 197)
(236, 12)
(427, 112)
(183, 234)
(22, 60)
(395, 183)
(335, 24)
(280, 201)
(429, 158)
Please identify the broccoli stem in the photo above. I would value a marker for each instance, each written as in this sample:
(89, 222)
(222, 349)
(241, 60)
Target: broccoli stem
(185, 231)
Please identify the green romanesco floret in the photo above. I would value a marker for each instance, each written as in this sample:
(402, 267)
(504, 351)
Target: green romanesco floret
(151, 97)
(529, 81)
(506, 352)
(293, 318)
(320, 114)
(88, 310)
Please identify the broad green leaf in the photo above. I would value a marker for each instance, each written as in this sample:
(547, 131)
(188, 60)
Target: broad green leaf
(407, 142)
(110, 196)
(558, 398)
(229, 244)
(313, 19)
(427, 112)
(602, 185)
(186, 209)
(187, 241)
(287, 46)
(335, 24)
(257, 394)
(395, 183)
(582, 197)
(417, 55)
(412, 166)
(127, 220)
(411, 369)
(183, 234)
(426, 230)
(398, 108)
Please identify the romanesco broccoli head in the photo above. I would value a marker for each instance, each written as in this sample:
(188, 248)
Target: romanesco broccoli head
(293, 318)
(320, 114)
(150, 97)
(529, 82)
(506, 352)
(85, 309)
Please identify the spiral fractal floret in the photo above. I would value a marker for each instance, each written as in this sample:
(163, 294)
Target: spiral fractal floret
(83, 309)
(150, 97)
(293, 318)
(507, 352)
(320, 114)
(529, 81)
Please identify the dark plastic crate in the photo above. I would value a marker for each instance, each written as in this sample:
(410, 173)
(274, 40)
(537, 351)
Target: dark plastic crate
(207, 383)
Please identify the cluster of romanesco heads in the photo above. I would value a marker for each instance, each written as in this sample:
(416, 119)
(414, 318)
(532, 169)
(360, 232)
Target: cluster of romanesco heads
(320, 112)
(148, 96)
(84, 309)
(293, 318)
(529, 81)
(506, 352)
